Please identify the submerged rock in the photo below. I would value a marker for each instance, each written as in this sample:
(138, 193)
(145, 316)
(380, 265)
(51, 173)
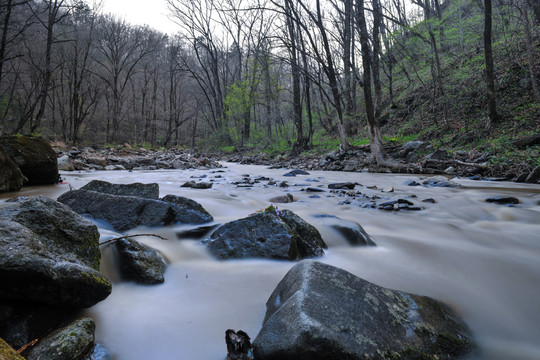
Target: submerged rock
(72, 342)
(147, 191)
(272, 233)
(320, 312)
(121, 212)
(35, 157)
(11, 177)
(139, 262)
(503, 200)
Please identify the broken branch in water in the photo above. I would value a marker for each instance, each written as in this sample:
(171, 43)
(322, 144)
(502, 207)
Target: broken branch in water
(130, 236)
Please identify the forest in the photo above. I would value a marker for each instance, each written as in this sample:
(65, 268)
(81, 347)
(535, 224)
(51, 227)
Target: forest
(274, 75)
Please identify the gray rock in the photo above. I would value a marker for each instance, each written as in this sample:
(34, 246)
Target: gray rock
(72, 342)
(97, 160)
(201, 185)
(121, 212)
(353, 233)
(147, 191)
(63, 232)
(31, 271)
(65, 163)
(412, 146)
(139, 262)
(34, 157)
(345, 185)
(11, 177)
(188, 211)
(273, 234)
(322, 312)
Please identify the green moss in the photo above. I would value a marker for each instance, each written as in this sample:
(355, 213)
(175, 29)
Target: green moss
(448, 344)
(7, 352)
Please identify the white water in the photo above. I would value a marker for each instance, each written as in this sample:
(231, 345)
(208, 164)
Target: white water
(481, 259)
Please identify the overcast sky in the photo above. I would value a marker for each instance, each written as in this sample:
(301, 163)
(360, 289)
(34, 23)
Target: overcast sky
(140, 12)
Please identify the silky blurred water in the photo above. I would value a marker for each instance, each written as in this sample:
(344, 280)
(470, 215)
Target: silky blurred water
(481, 259)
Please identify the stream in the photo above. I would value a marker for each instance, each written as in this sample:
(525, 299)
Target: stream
(481, 259)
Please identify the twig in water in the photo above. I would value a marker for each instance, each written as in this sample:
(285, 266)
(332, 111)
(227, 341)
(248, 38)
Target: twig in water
(129, 236)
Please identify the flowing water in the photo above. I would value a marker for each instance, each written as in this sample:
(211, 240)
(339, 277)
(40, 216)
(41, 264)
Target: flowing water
(481, 259)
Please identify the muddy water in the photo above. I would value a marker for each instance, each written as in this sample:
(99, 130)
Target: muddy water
(481, 259)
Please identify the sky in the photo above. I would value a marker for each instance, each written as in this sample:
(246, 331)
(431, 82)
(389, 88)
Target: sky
(142, 12)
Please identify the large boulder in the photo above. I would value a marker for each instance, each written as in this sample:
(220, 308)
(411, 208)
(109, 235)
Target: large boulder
(272, 233)
(322, 312)
(72, 342)
(188, 211)
(139, 262)
(121, 212)
(49, 257)
(11, 177)
(64, 233)
(147, 191)
(35, 157)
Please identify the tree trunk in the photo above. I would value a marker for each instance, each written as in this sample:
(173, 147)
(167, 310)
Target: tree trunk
(530, 58)
(490, 75)
(375, 138)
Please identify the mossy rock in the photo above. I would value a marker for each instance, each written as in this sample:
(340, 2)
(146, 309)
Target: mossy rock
(7, 352)
(11, 177)
(35, 158)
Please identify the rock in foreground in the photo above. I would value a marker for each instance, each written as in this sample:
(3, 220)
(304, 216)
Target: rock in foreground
(322, 312)
(272, 233)
(72, 342)
(188, 211)
(49, 254)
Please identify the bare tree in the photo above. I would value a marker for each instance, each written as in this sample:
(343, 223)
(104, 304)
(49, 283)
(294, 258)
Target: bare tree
(490, 74)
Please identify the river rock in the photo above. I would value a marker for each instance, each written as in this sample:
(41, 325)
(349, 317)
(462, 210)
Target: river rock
(35, 158)
(23, 322)
(344, 185)
(64, 233)
(272, 233)
(503, 200)
(11, 177)
(188, 211)
(7, 352)
(354, 233)
(32, 270)
(139, 262)
(147, 191)
(121, 212)
(322, 312)
(65, 163)
(72, 342)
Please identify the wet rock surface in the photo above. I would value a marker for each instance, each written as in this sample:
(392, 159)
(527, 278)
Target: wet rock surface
(139, 262)
(35, 158)
(188, 211)
(121, 212)
(72, 342)
(147, 191)
(272, 233)
(49, 254)
(322, 312)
